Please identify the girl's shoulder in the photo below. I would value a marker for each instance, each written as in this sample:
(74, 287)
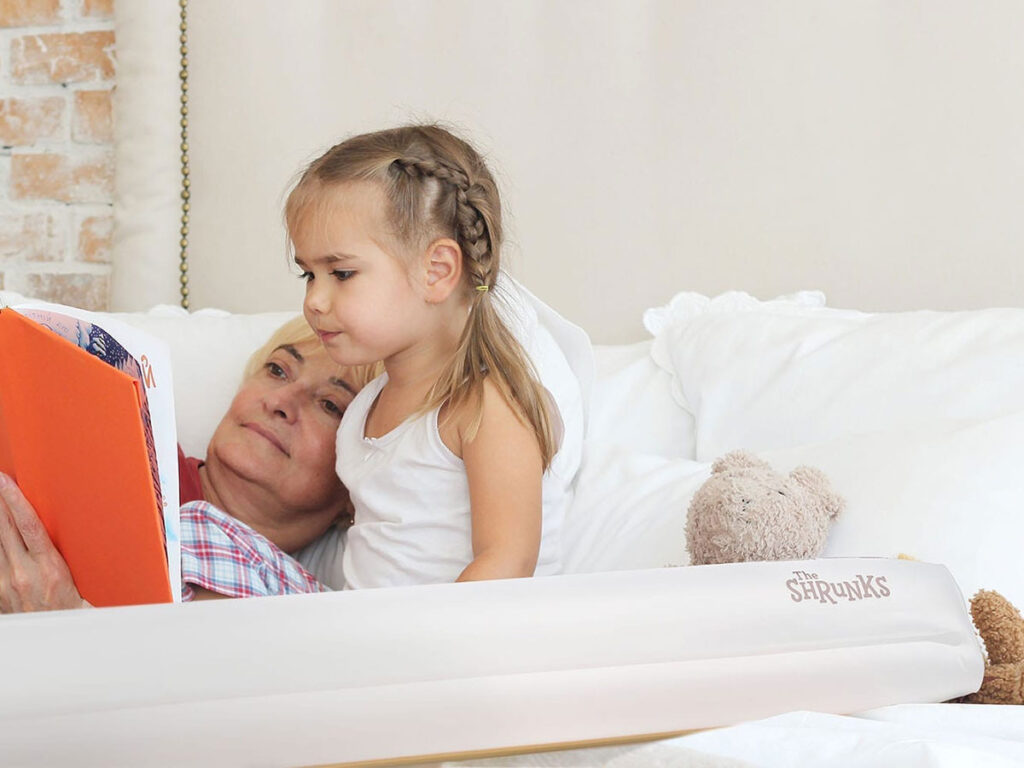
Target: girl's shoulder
(487, 413)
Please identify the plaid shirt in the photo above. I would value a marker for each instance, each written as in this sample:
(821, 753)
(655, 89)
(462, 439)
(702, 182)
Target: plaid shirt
(223, 555)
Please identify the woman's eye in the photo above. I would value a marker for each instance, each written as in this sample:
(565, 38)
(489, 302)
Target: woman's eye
(343, 274)
(275, 370)
(306, 277)
(333, 408)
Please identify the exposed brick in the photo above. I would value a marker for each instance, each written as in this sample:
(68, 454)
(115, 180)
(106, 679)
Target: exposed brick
(92, 181)
(32, 236)
(87, 291)
(26, 121)
(40, 241)
(94, 120)
(71, 57)
(58, 177)
(94, 238)
(98, 9)
(42, 176)
(22, 13)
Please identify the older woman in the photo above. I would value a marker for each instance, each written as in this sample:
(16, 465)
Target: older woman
(266, 488)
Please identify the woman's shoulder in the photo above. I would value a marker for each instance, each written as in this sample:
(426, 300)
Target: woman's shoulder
(222, 554)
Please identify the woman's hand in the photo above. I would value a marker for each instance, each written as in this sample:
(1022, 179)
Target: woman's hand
(33, 575)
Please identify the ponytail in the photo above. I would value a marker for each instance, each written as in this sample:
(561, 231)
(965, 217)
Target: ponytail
(488, 350)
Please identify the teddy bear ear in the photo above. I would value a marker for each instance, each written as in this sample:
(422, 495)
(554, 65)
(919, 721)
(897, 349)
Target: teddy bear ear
(816, 482)
(1000, 625)
(738, 460)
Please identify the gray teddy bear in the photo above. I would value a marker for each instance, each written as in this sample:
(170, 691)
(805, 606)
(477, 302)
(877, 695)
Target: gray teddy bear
(748, 511)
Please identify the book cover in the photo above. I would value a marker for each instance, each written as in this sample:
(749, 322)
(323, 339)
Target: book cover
(154, 364)
(75, 434)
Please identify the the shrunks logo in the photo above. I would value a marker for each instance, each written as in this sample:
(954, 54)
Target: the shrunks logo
(808, 586)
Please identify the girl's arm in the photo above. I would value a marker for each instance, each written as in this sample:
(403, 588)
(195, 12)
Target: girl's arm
(504, 468)
(33, 575)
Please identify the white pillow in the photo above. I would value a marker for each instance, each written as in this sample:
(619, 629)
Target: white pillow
(686, 305)
(632, 406)
(629, 510)
(777, 377)
(952, 495)
(563, 360)
(664, 322)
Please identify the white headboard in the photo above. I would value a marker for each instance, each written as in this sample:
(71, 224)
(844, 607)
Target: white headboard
(869, 149)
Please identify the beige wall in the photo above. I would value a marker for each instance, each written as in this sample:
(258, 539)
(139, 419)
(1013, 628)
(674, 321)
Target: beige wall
(56, 160)
(871, 149)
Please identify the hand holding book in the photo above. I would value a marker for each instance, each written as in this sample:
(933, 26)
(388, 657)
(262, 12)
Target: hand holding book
(76, 434)
(39, 578)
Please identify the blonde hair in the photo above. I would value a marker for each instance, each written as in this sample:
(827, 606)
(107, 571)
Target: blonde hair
(297, 331)
(437, 185)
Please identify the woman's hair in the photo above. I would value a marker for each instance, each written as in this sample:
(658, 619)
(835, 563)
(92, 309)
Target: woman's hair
(297, 331)
(437, 186)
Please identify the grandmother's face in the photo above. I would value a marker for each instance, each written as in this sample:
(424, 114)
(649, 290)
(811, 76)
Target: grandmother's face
(279, 432)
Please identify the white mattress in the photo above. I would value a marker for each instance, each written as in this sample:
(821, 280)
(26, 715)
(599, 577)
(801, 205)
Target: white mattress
(458, 668)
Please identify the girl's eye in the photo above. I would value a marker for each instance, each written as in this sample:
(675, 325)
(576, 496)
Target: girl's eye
(343, 274)
(275, 370)
(333, 408)
(306, 277)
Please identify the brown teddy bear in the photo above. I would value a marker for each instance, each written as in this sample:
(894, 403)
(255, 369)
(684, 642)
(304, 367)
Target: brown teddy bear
(1002, 628)
(748, 511)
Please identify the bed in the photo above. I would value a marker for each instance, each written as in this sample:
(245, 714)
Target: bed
(805, 188)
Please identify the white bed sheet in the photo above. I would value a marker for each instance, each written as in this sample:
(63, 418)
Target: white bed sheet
(903, 736)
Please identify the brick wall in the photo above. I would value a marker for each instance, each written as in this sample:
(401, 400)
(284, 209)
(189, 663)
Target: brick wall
(57, 71)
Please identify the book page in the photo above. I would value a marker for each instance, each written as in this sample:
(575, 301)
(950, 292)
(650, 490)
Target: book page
(152, 366)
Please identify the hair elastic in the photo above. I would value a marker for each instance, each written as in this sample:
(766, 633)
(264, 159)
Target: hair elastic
(482, 288)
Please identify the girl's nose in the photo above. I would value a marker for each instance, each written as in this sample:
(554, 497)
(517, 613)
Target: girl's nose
(317, 300)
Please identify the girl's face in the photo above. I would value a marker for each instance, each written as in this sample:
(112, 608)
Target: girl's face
(360, 298)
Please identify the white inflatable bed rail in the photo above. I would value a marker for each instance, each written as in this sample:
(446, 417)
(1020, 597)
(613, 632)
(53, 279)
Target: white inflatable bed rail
(482, 667)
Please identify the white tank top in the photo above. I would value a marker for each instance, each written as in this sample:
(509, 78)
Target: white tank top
(411, 496)
(410, 492)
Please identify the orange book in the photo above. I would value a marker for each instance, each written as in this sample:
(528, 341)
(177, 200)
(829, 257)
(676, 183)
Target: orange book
(73, 435)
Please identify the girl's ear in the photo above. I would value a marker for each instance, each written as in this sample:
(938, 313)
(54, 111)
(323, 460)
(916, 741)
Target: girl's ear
(443, 269)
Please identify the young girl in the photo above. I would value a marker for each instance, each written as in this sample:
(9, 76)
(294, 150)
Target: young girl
(398, 235)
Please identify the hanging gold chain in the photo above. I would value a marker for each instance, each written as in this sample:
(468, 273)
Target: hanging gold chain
(184, 152)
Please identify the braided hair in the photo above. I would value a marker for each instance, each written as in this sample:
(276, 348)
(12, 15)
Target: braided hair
(438, 185)
(469, 225)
